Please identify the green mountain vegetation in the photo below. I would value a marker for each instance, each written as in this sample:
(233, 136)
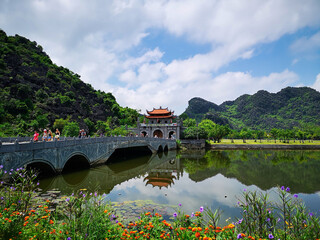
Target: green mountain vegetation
(291, 107)
(36, 94)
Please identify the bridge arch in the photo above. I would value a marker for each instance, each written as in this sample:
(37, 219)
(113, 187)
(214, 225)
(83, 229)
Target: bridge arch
(76, 161)
(160, 148)
(43, 167)
(166, 149)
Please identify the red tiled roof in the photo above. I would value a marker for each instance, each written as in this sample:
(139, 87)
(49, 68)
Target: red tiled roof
(160, 111)
(154, 117)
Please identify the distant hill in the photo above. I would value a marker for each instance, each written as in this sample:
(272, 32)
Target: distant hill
(263, 110)
(35, 92)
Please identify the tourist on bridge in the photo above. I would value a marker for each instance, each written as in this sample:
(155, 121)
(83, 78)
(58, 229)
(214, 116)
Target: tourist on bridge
(50, 135)
(57, 134)
(36, 136)
(45, 135)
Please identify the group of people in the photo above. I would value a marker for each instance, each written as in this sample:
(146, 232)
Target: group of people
(47, 135)
(82, 133)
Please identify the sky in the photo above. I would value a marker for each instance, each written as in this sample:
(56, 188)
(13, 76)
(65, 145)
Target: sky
(163, 53)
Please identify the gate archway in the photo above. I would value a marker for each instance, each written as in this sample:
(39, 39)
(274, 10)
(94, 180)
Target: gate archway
(172, 134)
(158, 133)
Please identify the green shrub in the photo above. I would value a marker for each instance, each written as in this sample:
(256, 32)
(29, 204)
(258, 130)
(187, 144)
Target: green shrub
(71, 129)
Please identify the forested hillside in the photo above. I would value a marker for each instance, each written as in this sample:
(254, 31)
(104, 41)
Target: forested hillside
(35, 93)
(263, 110)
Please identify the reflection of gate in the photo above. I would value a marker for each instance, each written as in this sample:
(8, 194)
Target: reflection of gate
(171, 134)
(158, 133)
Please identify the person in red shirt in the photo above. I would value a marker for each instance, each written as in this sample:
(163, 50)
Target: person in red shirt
(35, 136)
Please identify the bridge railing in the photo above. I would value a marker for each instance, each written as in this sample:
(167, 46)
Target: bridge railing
(24, 144)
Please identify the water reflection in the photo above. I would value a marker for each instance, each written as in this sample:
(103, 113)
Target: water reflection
(266, 169)
(199, 178)
(103, 179)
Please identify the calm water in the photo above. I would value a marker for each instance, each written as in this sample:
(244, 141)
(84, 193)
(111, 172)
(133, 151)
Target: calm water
(198, 178)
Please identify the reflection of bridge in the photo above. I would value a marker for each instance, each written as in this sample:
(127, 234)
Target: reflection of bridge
(57, 155)
(104, 178)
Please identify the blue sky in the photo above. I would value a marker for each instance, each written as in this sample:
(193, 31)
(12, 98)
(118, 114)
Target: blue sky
(163, 53)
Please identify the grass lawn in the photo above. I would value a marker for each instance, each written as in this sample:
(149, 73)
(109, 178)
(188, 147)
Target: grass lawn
(265, 141)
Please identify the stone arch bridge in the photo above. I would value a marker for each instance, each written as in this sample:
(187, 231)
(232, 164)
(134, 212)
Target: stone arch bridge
(56, 155)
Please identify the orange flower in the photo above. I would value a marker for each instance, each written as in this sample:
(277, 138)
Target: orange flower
(51, 222)
(105, 211)
(197, 234)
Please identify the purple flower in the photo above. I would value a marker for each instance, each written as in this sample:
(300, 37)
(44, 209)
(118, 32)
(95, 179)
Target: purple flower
(271, 236)
(83, 195)
(95, 194)
(67, 199)
(192, 214)
(245, 190)
(295, 195)
(240, 221)
(117, 221)
(268, 219)
(310, 214)
(1, 166)
(38, 183)
(282, 188)
(201, 209)
(239, 236)
(287, 189)
(69, 238)
(175, 215)
(5, 171)
(180, 204)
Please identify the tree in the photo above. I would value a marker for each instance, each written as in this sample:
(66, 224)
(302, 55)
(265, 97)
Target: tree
(274, 134)
(189, 122)
(71, 129)
(194, 133)
(60, 123)
(245, 134)
(218, 132)
(103, 128)
(90, 126)
(207, 125)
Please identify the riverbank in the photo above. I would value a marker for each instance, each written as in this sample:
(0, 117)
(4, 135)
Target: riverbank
(264, 146)
(226, 144)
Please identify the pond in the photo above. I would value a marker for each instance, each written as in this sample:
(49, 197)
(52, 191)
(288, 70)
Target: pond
(214, 179)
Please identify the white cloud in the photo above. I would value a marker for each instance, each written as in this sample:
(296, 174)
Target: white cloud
(175, 92)
(96, 39)
(316, 84)
(307, 45)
